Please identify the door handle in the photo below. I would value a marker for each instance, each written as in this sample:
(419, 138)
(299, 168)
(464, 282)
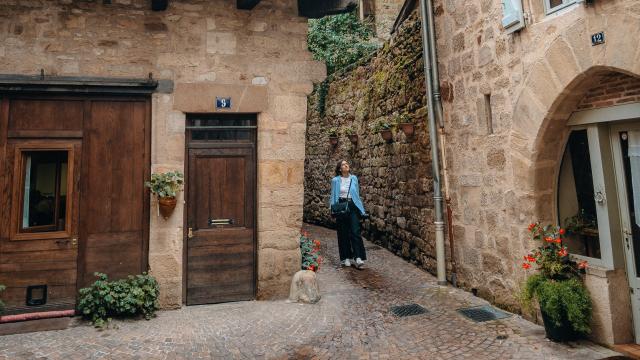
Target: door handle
(74, 242)
(190, 233)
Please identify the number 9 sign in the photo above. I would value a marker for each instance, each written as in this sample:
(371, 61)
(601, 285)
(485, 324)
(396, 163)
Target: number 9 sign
(223, 103)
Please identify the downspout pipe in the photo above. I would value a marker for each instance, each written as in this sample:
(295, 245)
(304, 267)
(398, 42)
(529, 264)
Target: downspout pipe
(435, 155)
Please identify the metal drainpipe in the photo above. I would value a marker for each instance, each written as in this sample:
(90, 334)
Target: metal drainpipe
(435, 156)
(440, 118)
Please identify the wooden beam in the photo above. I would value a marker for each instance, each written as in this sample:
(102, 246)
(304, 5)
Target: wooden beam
(316, 9)
(246, 4)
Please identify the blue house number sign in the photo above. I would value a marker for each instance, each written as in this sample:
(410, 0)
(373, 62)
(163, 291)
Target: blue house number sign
(223, 103)
(597, 38)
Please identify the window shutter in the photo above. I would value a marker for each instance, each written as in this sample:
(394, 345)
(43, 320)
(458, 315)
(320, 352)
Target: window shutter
(512, 15)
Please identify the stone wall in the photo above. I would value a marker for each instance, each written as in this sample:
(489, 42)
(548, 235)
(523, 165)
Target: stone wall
(395, 177)
(206, 50)
(385, 15)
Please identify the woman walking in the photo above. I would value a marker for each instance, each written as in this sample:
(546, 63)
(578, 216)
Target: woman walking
(345, 188)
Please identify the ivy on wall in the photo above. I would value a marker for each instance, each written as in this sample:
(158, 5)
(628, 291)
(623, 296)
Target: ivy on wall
(340, 40)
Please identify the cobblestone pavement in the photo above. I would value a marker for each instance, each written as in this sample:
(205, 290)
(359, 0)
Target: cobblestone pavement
(352, 321)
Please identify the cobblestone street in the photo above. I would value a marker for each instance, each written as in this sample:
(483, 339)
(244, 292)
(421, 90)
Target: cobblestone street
(352, 321)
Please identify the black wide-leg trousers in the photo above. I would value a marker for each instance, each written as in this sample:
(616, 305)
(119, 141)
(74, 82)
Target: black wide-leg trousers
(350, 244)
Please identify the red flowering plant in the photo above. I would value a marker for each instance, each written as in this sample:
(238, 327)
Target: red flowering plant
(310, 250)
(564, 301)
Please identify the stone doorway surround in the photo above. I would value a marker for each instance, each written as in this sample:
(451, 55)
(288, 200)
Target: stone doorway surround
(556, 84)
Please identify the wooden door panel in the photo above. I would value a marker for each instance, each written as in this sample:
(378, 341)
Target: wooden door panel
(43, 114)
(41, 258)
(221, 258)
(113, 216)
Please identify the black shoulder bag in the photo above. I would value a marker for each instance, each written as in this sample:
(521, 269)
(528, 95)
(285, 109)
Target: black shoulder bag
(341, 209)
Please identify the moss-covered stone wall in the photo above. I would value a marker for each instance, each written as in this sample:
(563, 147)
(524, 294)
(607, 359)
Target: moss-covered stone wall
(395, 177)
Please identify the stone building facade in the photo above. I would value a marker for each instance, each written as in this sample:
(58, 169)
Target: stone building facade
(513, 102)
(258, 58)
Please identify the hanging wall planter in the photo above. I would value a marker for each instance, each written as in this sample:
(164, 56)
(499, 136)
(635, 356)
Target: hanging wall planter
(332, 132)
(166, 205)
(165, 186)
(353, 138)
(333, 140)
(387, 135)
(407, 128)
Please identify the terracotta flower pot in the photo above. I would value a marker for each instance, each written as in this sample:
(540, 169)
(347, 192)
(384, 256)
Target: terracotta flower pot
(353, 139)
(407, 128)
(387, 135)
(166, 205)
(333, 140)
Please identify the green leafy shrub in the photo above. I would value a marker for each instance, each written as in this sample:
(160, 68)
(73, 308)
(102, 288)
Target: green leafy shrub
(381, 125)
(130, 297)
(557, 286)
(566, 298)
(310, 251)
(332, 131)
(340, 40)
(166, 184)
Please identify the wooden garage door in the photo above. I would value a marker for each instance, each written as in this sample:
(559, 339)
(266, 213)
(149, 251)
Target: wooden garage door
(221, 247)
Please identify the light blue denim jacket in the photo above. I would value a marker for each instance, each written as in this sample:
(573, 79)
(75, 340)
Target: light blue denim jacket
(354, 192)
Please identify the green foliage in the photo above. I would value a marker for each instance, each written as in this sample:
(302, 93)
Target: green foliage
(340, 40)
(332, 131)
(404, 119)
(310, 250)
(2, 288)
(559, 300)
(381, 125)
(348, 130)
(166, 184)
(322, 90)
(133, 296)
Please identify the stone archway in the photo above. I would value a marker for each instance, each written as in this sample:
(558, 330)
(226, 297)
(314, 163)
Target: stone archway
(554, 86)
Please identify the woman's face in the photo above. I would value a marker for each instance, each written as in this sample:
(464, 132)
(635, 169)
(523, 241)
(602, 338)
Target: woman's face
(344, 167)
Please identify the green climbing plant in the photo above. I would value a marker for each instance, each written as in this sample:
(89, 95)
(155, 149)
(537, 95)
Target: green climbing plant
(340, 40)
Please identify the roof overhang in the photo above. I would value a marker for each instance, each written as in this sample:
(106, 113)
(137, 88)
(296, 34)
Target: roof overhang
(318, 8)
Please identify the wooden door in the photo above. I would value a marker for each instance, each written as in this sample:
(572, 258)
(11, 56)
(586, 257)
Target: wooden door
(221, 220)
(114, 214)
(39, 247)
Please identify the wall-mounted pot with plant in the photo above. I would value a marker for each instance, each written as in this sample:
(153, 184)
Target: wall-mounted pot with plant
(350, 132)
(406, 124)
(165, 186)
(383, 127)
(333, 135)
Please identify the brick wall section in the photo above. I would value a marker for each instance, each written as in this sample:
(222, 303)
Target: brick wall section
(615, 89)
(395, 178)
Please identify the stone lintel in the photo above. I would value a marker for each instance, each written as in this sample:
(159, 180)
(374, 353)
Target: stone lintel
(201, 98)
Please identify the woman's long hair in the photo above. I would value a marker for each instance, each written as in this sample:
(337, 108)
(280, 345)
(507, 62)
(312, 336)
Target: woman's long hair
(338, 166)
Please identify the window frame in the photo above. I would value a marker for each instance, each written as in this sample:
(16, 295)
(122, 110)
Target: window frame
(548, 10)
(18, 180)
(599, 151)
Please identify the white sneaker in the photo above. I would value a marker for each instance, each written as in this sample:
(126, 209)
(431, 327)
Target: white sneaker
(359, 263)
(346, 262)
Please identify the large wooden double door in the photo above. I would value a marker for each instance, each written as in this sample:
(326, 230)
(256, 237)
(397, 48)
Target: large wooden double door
(221, 192)
(72, 195)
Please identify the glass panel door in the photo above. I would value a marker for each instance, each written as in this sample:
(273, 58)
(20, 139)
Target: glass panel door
(626, 143)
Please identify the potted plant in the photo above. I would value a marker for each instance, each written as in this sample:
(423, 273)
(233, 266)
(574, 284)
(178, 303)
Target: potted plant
(333, 136)
(165, 186)
(406, 124)
(383, 127)
(310, 251)
(564, 301)
(351, 134)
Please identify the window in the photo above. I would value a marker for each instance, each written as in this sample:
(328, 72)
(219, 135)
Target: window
(555, 5)
(576, 198)
(42, 191)
(44, 194)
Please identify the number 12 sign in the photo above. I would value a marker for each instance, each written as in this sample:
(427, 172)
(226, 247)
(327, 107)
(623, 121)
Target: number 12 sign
(223, 103)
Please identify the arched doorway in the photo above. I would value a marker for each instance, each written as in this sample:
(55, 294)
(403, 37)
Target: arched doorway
(588, 165)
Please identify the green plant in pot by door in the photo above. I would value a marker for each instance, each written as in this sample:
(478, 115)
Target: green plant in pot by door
(165, 186)
(564, 301)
